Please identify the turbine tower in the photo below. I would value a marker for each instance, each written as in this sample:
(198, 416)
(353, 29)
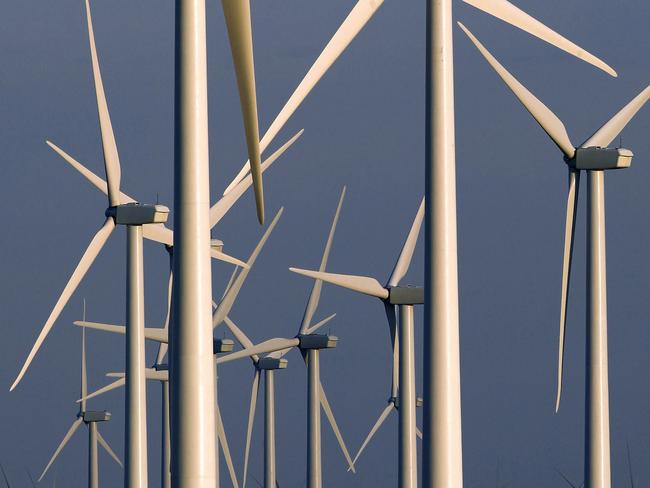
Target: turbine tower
(595, 157)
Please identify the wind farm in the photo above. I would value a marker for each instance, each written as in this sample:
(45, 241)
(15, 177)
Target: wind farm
(277, 162)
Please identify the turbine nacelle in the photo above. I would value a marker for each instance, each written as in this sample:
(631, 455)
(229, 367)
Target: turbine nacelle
(269, 363)
(317, 341)
(222, 345)
(138, 214)
(406, 295)
(600, 158)
(95, 416)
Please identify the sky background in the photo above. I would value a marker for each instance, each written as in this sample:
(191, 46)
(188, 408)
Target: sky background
(364, 127)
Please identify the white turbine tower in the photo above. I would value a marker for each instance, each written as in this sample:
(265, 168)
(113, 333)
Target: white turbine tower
(309, 344)
(90, 418)
(442, 457)
(595, 157)
(404, 297)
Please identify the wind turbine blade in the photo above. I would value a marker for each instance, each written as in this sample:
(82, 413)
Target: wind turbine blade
(406, 254)
(263, 347)
(75, 425)
(221, 433)
(317, 326)
(551, 124)
(314, 296)
(606, 134)
(157, 334)
(394, 341)
(361, 284)
(222, 256)
(351, 26)
(80, 271)
(98, 182)
(238, 21)
(158, 233)
(107, 448)
(231, 280)
(116, 329)
(380, 420)
(418, 433)
(504, 10)
(219, 209)
(31, 479)
(111, 158)
(569, 232)
(162, 348)
(241, 337)
(255, 390)
(567, 480)
(4, 475)
(330, 417)
(111, 386)
(226, 303)
(149, 373)
(84, 379)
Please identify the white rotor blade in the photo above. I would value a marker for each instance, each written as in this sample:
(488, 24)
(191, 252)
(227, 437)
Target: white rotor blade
(157, 334)
(222, 256)
(261, 348)
(314, 296)
(98, 182)
(116, 329)
(406, 254)
(219, 209)
(242, 338)
(361, 284)
(238, 21)
(382, 417)
(221, 433)
(255, 390)
(75, 425)
(317, 326)
(551, 124)
(149, 373)
(111, 158)
(80, 271)
(351, 26)
(606, 134)
(569, 232)
(111, 386)
(418, 433)
(226, 303)
(84, 379)
(107, 448)
(504, 10)
(158, 233)
(330, 417)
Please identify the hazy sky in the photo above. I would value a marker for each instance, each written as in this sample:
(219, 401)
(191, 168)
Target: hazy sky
(364, 127)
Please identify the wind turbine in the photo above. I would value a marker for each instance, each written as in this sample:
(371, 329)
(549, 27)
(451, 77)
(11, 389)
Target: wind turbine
(309, 344)
(90, 418)
(442, 457)
(268, 365)
(133, 216)
(595, 157)
(404, 297)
